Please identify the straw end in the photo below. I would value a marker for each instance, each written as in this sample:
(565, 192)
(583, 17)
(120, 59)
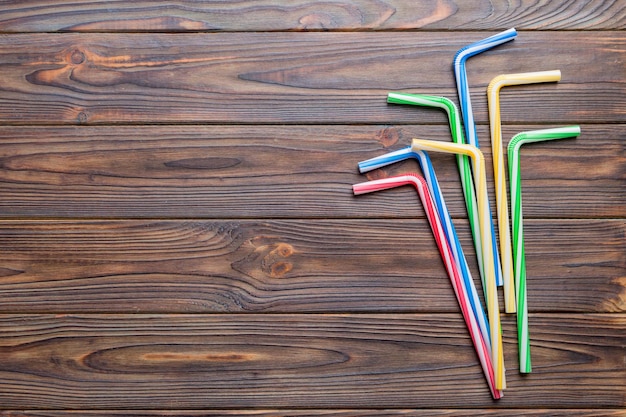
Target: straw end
(396, 98)
(575, 130)
(364, 167)
(359, 189)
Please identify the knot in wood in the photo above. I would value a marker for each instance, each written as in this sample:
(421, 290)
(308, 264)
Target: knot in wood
(316, 21)
(274, 263)
(82, 117)
(388, 136)
(279, 269)
(77, 57)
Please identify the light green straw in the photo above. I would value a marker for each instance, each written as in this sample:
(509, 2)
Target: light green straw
(463, 162)
(519, 257)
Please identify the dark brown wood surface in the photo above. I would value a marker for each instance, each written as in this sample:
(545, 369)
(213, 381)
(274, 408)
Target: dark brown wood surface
(298, 77)
(286, 266)
(218, 360)
(189, 15)
(569, 412)
(178, 234)
(291, 172)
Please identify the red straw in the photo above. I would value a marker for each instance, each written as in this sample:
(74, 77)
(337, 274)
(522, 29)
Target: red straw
(446, 254)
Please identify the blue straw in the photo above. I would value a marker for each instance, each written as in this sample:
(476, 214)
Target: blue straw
(460, 74)
(465, 101)
(453, 240)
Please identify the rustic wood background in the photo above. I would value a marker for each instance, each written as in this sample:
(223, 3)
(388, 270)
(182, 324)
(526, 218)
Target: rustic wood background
(178, 234)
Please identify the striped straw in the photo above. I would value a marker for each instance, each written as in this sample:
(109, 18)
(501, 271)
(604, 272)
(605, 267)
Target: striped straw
(465, 171)
(493, 99)
(446, 255)
(480, 180)
(460, 74)
(518, 230)
(449, 229)
(465, 101)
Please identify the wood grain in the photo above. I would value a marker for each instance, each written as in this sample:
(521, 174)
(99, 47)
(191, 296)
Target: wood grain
(368, 361)
(364, 265)
(463, 412)
(181, 16)
(178, 234)
(278, 171)
(334, 77)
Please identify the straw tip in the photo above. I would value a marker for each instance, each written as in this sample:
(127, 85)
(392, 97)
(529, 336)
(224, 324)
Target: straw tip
(395, 97)
(554, 75)
(362, 167)
(362, 188)
(574, 129)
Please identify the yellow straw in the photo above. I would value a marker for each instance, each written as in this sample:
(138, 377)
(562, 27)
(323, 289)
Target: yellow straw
(493, 99)
(480, 181)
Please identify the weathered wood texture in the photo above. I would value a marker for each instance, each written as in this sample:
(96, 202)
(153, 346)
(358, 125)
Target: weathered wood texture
(178, 234)
(37, 16)
(431, 412)
(297, 77)
(292, 172)
(287, 266)
(369, 361)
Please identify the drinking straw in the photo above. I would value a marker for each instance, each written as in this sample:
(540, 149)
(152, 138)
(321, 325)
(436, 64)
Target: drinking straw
(451, 235)
(463, 162)
(460, 74)
(480, 180)
(465, 101)
(446, 254)
(518, 229)
(495, 125)
(449, 229)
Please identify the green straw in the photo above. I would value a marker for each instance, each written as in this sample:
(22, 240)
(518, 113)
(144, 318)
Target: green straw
(463, 162)
(519, 258)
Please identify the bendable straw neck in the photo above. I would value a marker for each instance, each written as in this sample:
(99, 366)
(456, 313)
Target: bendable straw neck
(392, 182)
(454, 148)
(522, 78)
(483, 45)
(454, 118)
(542, 135)
(418, 100)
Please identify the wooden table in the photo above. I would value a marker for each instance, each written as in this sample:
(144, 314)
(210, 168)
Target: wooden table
(179, 236)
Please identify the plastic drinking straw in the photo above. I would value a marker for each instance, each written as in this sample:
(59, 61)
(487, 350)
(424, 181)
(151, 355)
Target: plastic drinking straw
(460, 74)
(451, 235)
(480, 180)
(446, 255)
(463, 162)
(495, 125)
(518, 230)
(465, 102)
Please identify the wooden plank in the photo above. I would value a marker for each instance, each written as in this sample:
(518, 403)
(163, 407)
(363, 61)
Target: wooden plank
(299, 361)
(297, 77)
(327, 413)
(99, 16)
(292, 172)
(365, 265)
